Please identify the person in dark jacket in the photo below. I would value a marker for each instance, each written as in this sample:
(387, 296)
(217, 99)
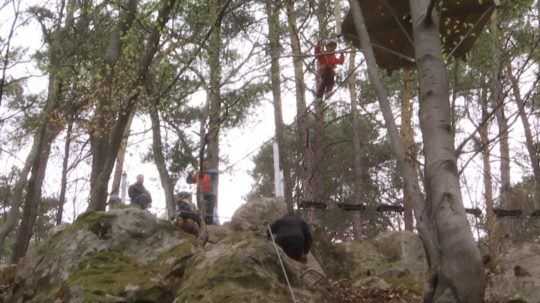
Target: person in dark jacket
(293, 235)
(138, 194)
(187, 218)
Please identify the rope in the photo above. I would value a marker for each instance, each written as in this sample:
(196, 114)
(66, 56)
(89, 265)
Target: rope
(282, 265)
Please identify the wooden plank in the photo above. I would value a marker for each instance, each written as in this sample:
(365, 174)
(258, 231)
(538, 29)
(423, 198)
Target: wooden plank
(352, 207)
(499, 212)
(312, 204)
(390, 208)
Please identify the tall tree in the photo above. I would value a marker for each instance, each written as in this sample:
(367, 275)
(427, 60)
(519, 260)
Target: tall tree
(453, 258)
(444, 204)
(407, 135)
(358, 166)
(497, 99)
(110, 122)
(300, 88)
(215, 45)
(483, 132)
(50, 122)
(272, 12)
(65, 170)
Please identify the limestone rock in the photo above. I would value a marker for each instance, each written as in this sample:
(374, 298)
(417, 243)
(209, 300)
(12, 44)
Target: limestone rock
(405, 247)
(255, 214)
(128, 255)
(395, 257)
(518, 275)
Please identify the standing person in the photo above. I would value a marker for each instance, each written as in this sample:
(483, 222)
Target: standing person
(326, 66)
(294, 236)
(138, 194)
(206, 189)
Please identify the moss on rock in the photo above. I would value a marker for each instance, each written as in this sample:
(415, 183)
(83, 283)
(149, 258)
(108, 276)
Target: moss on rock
(110, 274)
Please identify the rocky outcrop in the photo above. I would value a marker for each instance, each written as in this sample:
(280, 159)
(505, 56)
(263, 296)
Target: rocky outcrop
(393, 259)
(517, 276)
(127, 255)
(256, 213)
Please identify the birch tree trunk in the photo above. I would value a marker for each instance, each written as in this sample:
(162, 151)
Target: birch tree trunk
(459, 266)
(272, 11)
(407, 135)
(453, 258)
(357, 147)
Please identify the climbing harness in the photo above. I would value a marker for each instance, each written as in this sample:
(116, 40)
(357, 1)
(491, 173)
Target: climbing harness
(281, 263)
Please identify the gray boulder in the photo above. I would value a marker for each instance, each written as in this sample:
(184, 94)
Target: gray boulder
(517, 278)
(255, 214)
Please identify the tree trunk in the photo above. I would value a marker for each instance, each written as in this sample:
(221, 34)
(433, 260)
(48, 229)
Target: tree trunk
(214, 94)
(459, 268)
(314, 154)
(407, 135)
(407, 170)
(63, 182)
(111, 126)
(106, 124)
(272, 10)
(17, 197)
(529, 139)
(119, 166)
(157, 148)
(359, 168)
(488, 186)
(453, 258)
(300, 87)
(497, 100)
(45, 135)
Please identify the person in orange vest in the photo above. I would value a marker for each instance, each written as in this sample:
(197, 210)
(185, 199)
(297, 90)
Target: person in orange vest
(205, 187)
(327, 60)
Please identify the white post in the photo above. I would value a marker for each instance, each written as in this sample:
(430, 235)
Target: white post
(337, 15)
(278, 175)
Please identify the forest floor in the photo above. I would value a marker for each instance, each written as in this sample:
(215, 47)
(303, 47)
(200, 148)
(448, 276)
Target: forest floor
(344, 292)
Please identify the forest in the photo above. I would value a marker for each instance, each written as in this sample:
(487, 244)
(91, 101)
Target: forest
(430, 127)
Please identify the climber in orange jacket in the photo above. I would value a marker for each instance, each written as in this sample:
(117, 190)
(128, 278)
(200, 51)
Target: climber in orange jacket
(326, 65)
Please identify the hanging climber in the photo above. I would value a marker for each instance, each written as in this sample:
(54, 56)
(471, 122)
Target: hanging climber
(207, 189)
(327, 61)
(294, 236)
(186, 217)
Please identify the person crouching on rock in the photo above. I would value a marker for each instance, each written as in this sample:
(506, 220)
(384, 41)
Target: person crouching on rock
(186, 217)
(139, 196)
(293, 235)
